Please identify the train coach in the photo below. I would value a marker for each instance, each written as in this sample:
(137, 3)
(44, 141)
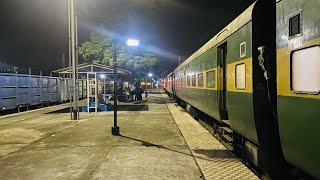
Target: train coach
(21, 90)
(258, 80)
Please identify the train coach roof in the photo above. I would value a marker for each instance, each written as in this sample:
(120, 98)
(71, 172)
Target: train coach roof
(236, 24)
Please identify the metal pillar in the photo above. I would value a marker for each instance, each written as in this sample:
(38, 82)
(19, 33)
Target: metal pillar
(76, 65)
(72, 33)
(115, 129)
(104, 90)
(92, 91)
(68, 87)
(146, 85)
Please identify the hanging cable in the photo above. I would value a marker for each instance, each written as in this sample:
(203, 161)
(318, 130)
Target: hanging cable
(265, 74)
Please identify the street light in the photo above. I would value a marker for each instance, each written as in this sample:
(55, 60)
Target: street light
(115, 130)
(133, 42)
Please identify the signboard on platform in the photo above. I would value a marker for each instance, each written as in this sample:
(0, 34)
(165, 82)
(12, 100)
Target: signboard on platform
(144, 83)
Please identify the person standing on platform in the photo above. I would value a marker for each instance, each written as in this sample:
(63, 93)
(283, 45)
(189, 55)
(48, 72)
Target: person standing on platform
(131, 94)
(138, 92)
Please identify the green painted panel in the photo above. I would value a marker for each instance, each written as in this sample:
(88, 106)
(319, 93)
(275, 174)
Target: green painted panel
(202, 99)
(207, 60)
(310, 18)
(299, 122)
(234, 41)
(241, 117)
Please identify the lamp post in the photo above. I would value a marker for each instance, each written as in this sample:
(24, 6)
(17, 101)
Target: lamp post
(115, 130)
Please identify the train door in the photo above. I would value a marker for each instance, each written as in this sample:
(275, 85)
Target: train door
(222, 80)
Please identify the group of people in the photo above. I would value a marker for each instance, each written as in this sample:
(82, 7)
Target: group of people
(134, 93)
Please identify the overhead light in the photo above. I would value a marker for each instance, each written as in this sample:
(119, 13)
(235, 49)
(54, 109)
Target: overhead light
(133, 42)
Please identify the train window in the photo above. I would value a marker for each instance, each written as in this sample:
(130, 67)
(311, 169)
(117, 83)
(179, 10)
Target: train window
(243, 49)
(188, 81)
(193, 80)
(211, 79)
(200, 80)
(305, 70)
(241, 76)
(294, 25)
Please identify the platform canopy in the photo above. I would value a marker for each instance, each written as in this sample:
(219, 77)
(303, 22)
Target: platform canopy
(86, 68)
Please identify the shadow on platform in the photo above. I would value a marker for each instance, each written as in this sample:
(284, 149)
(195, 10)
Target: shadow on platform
(121, 107)
(129, 107)
(223, 153)
(208, 153)
(64, 110)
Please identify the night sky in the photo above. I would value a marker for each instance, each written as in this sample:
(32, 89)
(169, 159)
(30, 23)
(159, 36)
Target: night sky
(35, 32)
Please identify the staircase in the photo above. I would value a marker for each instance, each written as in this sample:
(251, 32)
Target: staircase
(226, 134)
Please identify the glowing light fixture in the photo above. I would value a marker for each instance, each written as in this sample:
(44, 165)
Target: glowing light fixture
(133, 42)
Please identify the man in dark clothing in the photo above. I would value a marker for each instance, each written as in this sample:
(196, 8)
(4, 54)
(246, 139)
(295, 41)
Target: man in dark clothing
(138, 92)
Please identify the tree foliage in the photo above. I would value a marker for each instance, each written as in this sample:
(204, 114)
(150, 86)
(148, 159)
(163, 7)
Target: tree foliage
(99, 49)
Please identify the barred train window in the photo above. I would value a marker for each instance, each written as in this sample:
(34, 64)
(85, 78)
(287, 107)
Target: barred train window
(193, 80)
(305, 70)
(188, 81)
(294, 25)
(211, 79)
(241, 76)
(200, 80)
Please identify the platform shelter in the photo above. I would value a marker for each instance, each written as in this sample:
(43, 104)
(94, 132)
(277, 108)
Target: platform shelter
(99, 80)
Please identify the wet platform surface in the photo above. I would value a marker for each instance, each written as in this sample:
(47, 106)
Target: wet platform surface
(158, 141)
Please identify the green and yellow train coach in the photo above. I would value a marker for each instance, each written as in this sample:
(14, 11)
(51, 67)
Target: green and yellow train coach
(298, 82)
(260, 77)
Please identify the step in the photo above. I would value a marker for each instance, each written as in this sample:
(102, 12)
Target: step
(229, 146)
(227, 129)
(226, 121)
(227, 137)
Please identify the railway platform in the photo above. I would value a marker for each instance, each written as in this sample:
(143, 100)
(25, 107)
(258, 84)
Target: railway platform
(159, 140)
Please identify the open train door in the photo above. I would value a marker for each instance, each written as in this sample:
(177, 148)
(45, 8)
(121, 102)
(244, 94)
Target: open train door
(222, 81)
(265, 88)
